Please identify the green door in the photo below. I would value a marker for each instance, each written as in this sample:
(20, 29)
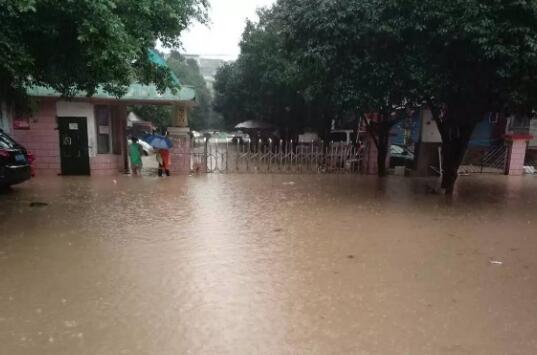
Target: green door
(74, 145)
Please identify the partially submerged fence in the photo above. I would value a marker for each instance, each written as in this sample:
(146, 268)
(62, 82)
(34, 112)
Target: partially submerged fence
(223, 156)
(485, 160)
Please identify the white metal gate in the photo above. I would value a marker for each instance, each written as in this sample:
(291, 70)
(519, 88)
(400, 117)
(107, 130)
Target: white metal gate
(222, 156)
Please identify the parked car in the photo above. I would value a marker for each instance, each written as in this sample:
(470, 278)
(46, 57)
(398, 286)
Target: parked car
(308, 138)
(239, 137)
(400, 156)
(14, 164)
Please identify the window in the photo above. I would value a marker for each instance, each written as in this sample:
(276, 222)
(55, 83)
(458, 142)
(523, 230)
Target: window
(103, 115)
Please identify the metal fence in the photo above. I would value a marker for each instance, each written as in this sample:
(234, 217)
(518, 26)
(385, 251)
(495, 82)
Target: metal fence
(485, 160)
(223, 156)
(531, 157)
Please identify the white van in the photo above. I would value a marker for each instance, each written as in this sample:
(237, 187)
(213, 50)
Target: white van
(342, 136)
(308, 137)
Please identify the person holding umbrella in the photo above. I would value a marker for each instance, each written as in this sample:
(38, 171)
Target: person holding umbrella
(163, 145)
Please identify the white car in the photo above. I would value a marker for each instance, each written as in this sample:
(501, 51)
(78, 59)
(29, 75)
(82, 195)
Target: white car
(146, 147)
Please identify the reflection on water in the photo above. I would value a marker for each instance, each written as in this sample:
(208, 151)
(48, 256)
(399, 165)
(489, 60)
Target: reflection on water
(268, 264)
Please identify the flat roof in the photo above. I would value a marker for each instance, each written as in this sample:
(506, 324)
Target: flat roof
(136, 93)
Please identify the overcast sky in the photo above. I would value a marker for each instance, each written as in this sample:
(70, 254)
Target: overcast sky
(222, 36)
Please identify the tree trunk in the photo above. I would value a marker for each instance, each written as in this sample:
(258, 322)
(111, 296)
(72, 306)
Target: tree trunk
(455, 141)
(382, 153)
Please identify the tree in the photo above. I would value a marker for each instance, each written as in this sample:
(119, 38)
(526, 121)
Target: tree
(85, 44)
(227, 100)
(263, 84)
(348, 50)
(461, 59)
(473, 57)
(188, 72)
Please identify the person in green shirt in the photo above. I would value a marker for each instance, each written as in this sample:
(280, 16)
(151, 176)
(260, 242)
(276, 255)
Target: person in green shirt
(135, 155)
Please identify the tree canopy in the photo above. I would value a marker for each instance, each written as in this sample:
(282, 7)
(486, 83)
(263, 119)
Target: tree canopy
(188, 73)
(264, 83)
(83, 44)
(462, 59)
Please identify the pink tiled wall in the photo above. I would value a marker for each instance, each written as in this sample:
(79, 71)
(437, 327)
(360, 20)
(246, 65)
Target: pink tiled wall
(516, 158)
(106, 165)
(42, 139)
(180, 154)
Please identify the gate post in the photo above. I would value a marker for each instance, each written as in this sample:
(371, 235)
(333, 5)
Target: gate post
(516, 153)
(206, 137)
(179, 134)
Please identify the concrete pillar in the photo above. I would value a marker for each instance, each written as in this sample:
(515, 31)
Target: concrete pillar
(179, 133)
(516, 153)
(122, 113)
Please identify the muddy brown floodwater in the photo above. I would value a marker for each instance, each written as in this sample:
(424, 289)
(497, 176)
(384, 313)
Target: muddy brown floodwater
(268, 264)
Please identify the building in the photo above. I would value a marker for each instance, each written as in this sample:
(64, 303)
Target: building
(209, 67)
(87, 135)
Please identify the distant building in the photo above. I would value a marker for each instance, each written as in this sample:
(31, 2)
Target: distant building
(208, 66)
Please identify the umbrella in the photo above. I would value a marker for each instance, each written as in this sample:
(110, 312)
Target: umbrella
(158, 142)
(259, 125)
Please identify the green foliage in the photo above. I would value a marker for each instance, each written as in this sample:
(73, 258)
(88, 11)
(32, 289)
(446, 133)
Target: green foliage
(79, 45)
(201, 116)
(160, 116)
(462, 58)
(189, 73)
(263, 84)
(475, 56)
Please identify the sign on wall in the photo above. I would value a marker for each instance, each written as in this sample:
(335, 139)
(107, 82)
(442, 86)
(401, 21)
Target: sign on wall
(22, 123)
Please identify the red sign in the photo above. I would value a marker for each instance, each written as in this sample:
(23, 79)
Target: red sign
(21, 123)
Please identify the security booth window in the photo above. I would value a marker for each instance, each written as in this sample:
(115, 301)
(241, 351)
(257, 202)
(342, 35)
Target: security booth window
(103, 115)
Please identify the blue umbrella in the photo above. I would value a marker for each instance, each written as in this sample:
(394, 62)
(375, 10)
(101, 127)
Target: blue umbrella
(158, 142)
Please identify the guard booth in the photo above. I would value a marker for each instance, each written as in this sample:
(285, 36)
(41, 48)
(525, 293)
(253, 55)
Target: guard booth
(88, 135)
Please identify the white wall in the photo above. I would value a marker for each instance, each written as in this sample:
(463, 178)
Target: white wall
(81, 109)
(533, 132)
(5, 119)
(429, 129)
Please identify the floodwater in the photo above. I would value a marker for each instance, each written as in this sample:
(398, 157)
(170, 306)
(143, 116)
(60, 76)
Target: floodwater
(268, 264)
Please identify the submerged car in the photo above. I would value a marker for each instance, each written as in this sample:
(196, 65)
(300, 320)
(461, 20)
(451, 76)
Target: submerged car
(14, 163)
(400, 156)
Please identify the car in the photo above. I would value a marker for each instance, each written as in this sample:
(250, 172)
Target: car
(308, 138)
(14, 164)
(339, 137)
(400, 156)
(147, 148)
(239, 137)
